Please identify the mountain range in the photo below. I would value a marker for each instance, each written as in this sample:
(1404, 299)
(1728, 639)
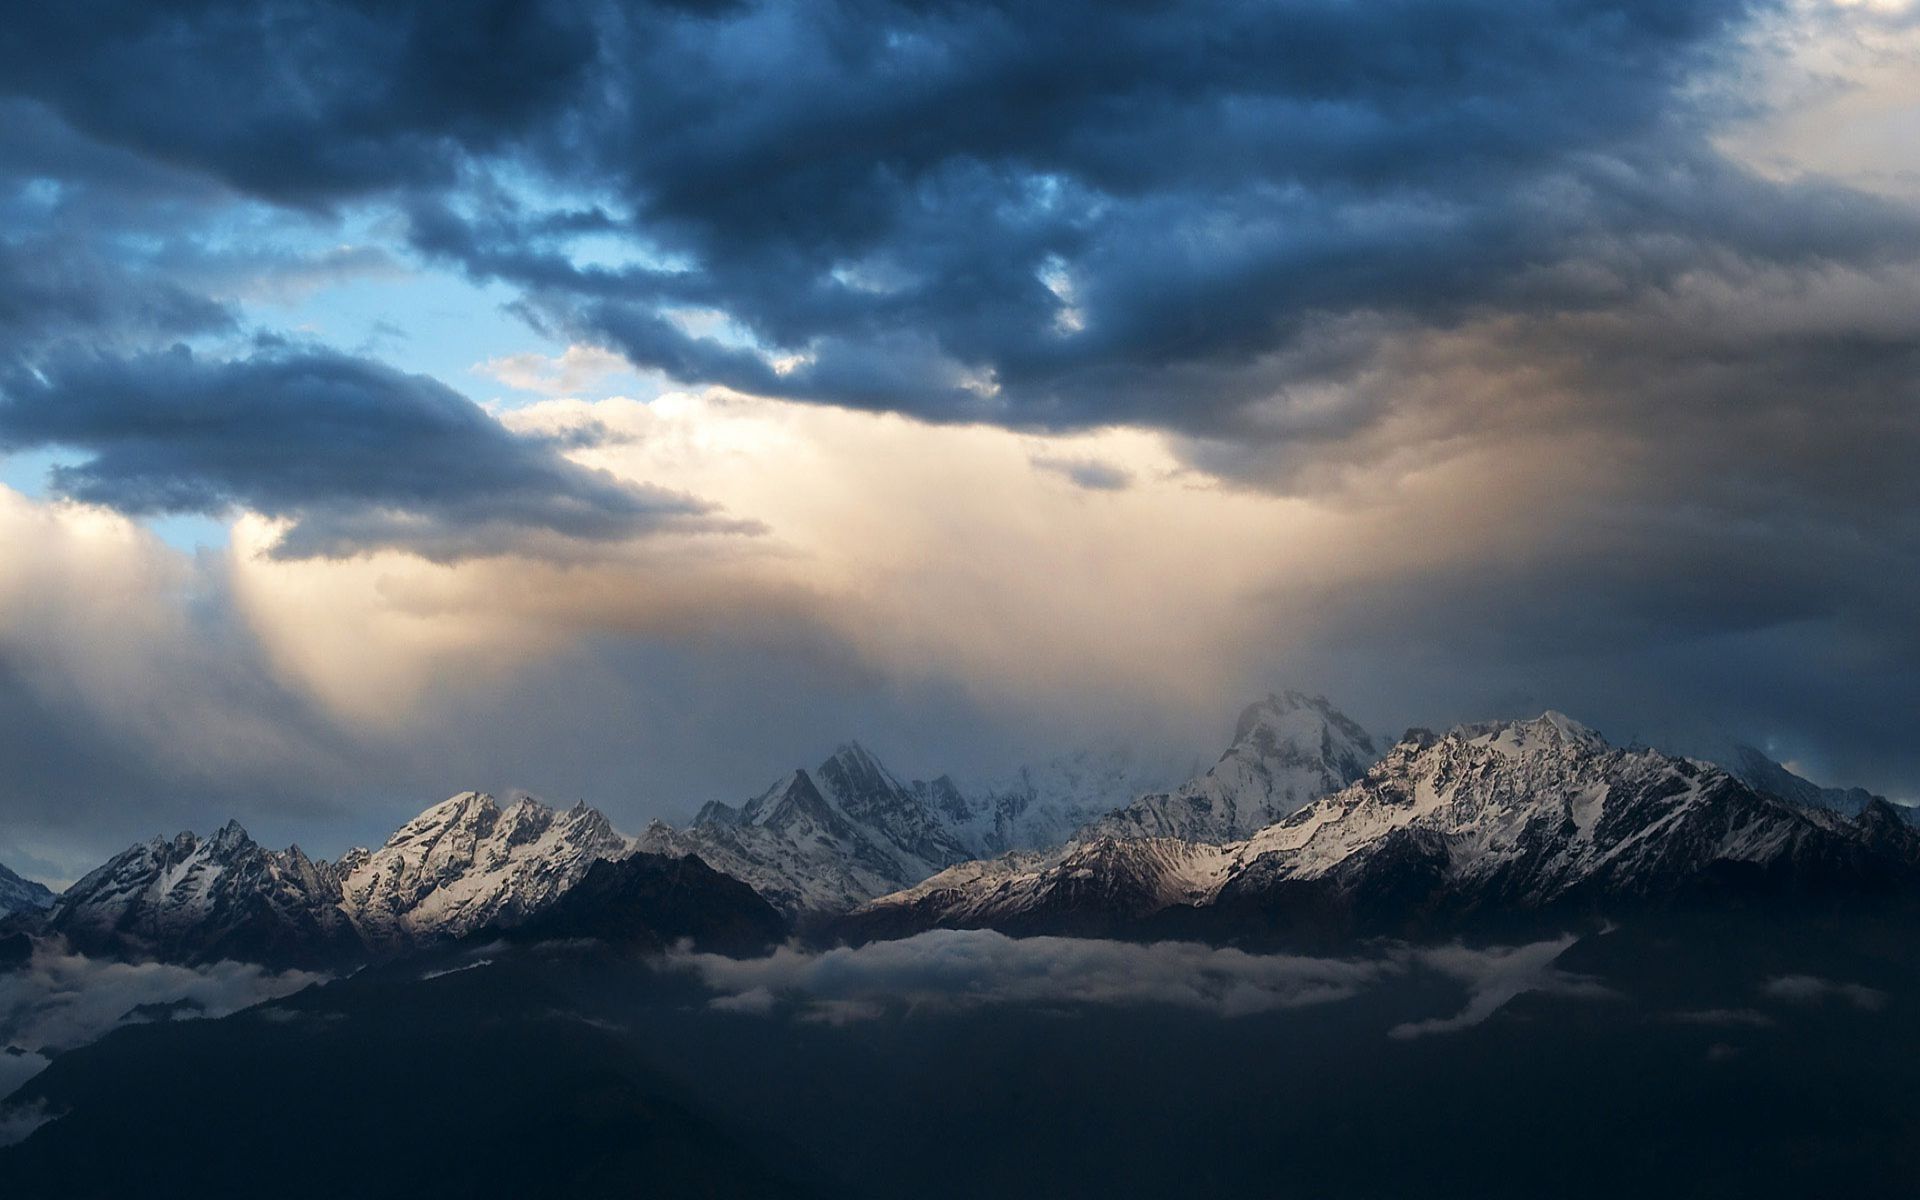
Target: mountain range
(817, 841)
(827, 839)
(1300, 826)
(1484, 821)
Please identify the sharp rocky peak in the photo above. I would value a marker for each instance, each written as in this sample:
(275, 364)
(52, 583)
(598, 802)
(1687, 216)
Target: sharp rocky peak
(461, 808)
(1288, 749)
(854, 768)
(1298, 728)
(1551, 731)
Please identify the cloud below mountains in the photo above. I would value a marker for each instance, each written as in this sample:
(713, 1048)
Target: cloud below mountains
(60, 1000)
(948, 969)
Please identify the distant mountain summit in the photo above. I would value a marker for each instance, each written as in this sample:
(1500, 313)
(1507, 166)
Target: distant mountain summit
(1752, 767)
(827, 839)
(19, 895)
(1288, 750)
(1046, 803)
(822, 840)
(1499, 818)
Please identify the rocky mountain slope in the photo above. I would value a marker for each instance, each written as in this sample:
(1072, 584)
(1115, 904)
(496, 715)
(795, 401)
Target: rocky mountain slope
(19, 895)
(1503, 817)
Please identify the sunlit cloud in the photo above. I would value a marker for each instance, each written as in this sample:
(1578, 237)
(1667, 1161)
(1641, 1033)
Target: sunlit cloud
(574, 371)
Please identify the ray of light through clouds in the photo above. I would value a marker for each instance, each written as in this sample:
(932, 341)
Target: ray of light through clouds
(629, 403)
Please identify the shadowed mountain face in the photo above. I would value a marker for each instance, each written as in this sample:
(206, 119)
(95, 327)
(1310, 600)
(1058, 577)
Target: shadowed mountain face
(649, 902)
(395, 1086)
(1753, 768)
(1488, 823)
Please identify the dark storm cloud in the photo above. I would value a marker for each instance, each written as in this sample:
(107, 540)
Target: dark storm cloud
(1051, 215)
(357, 455)
(1200, 216)
(1069, 215)
(306, 103)
(53, 289)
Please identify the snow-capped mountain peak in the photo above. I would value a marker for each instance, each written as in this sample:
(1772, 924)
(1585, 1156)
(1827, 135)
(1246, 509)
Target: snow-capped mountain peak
(1288, 750)
(469, 810)
(1551, 731)
(1297, 724)
(465, 863)
(852, 768)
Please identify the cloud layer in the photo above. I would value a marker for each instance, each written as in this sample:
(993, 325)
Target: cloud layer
(354, 456)
(59, 1000)
(947, 969)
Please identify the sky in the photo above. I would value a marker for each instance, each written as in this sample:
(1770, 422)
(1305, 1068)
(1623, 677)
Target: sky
(630, 402)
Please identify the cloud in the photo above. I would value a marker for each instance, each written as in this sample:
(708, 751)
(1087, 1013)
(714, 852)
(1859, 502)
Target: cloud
(60, 1000)
(352, 455)
(979, 968)
(316, 102)
(19, 1120)
(964, 969)
(132, 699)
(1496, 975)
(1088, 473)
(1729, 1017)
(1811, 989)
(16, 1067)
(1221, 221)
(570, 373)
(969, 212)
